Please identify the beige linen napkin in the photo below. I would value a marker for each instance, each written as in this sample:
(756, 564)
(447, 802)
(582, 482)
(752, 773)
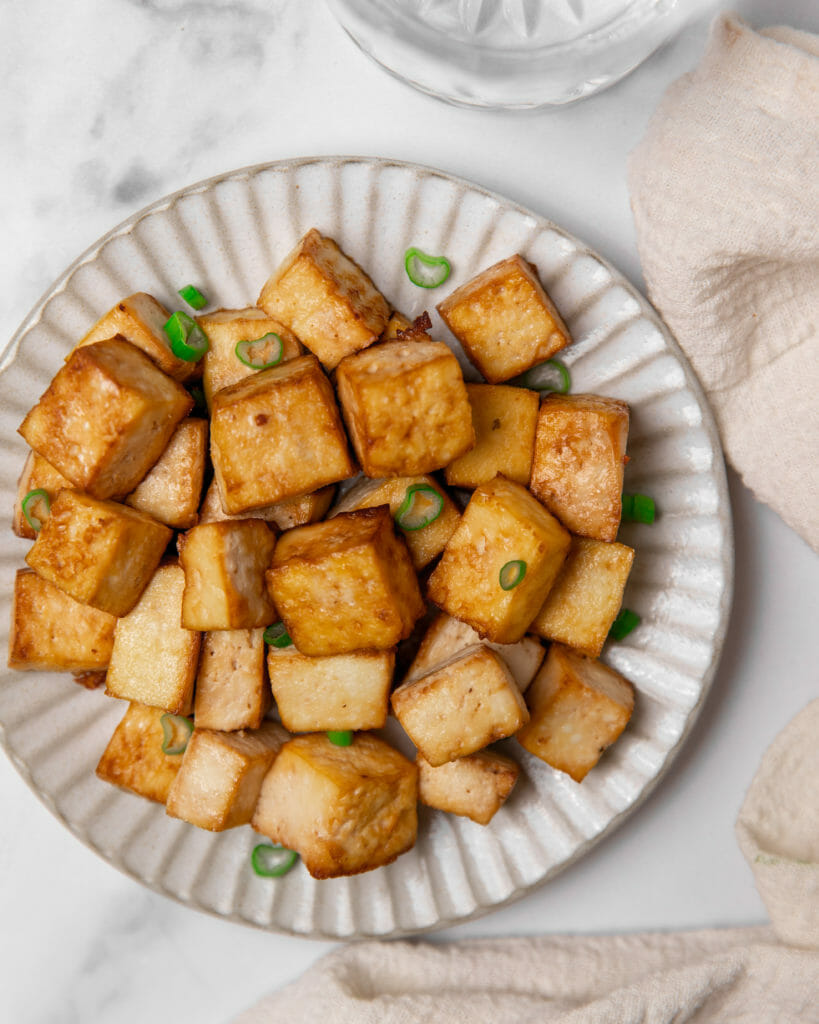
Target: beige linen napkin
(725, 193)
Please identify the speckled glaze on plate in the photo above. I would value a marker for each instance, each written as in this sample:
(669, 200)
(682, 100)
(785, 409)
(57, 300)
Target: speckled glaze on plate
(226, 235)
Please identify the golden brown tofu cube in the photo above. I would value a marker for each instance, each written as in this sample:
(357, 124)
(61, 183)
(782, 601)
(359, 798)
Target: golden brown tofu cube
(37, 475)
(346, 584)
(577, 471)
(106, 417)
(52, 631)
(578, 708)
(500, 563)
(134, 759)
(339, 691)
(285, 514)
(277, 434)
(586, 596)
(140, 319)
(344, 809)
(325, 299)
(505, 320)
(154, 659)
(463, 705)
(98, 552)
(173, 487)
(504, 421)
(475, 786)
(447, 637)
(218, 784)
(224, 567)
(395, 325)
(405, 406)
(232, 691)
(424, 543)
(225, 328)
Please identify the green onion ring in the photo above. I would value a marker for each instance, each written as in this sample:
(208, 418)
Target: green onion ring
(549, 376)
(25, 505)
(511, 574)
(272, 861)
(194, 298)
(247, 354)
(340, 737)
(277, 636)
(188, 341)
(410, 518)
(171, 724)
(625, 622)
(426, 271)
(639, 508)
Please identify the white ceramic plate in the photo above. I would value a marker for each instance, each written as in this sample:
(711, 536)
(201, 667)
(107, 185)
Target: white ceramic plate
(227, 235)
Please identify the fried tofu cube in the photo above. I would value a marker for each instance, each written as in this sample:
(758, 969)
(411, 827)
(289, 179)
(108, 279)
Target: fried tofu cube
(447, 637)
(425, 543)
(461, 706)
(232, 691)
(578, 708)
(224, 567)
(285, 514)
(504, 320)
(500, 563)
(106, 417)
(405, 406)
(586, 596)
(277, 434)
(344, 809)
(577, 471)
(395, 325)
(98, 552)
(346, 584)
(140, 319)
(134, 759)
(154, 659)
(52, 631)
(475, 786)
(338, 691)
(173, 487)
(504, 420)
(325, 299)
(225, 328)
(218, 784)
(38, 475)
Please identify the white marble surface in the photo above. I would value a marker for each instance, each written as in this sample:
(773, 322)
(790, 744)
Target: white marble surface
(106, 106)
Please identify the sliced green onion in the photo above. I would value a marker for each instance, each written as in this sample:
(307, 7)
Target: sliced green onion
(625, 622)
(272, 861)
(421, 506)
(426, 271)
(512, 574)
(341, 737)
(549, 376)
(35, 522)
(639, 508)
(176, 731)
(277, 636)
(188, 341)
(262, 353)
(200, 405)
(194, 298)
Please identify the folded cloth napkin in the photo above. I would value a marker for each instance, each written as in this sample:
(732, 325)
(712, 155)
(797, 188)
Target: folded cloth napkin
(741, 976)
(725, 193)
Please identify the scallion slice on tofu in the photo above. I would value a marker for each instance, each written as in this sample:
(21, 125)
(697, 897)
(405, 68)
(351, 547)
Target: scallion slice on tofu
(188, 341)
(426, 271)
(340, 737)
(421, 506)
(262, 353)
(639, 508)
(176, 731)
(277, 636)
(549, 376)
(511, 574)
(194, 298)
(272, 861)
(29, 504)
(625, 622)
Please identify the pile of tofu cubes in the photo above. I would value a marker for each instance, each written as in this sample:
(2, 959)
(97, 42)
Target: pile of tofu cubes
(172, 541)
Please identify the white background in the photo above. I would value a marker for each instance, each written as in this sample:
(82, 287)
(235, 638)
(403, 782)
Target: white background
(106, 106)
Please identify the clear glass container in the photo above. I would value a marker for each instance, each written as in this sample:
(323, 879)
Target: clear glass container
(511, 54)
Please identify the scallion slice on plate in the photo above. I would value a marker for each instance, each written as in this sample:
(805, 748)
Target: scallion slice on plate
(421, 506)
(188, 341)
(262, 353)
(277, 636)
(638, 508)
(426, 271)
(194, 298)
(511, 574)
(340, 737)
(28, 506)
(272, 861)
(549, 376)
(626, 621)
(176, 731)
